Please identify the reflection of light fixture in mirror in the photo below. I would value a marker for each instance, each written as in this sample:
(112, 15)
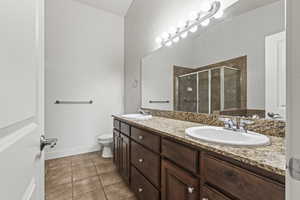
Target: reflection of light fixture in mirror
(205, 22)
(165, 36)
(173, 31)
(184, 35)
(219, 14)
(205, 6)
(194, 16)
(176, 39)
(194, 29)
(207, 11)
(159, 40)
(169, 43)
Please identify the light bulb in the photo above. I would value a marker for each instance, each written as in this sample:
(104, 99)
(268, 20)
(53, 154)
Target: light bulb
(205, 22)
(173, 30)
(182, 25)
(184, 35)
(194, 29)
(193, 16)
(219, 14)
(205, 6)
(176, 39)
(165, 36)
(159, 40)
(169, 43)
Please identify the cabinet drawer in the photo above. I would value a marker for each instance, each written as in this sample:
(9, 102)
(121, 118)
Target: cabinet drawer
(183, 156)
(117, 124)
(239, 182)
(211, 194)
(146, 138)
(147, 162)
(141, 187)
(125, 129)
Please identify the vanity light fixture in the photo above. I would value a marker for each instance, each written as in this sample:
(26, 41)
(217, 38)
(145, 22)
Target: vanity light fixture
(207, 11)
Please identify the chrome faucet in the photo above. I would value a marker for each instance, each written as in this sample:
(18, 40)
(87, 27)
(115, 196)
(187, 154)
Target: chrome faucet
(239, 125)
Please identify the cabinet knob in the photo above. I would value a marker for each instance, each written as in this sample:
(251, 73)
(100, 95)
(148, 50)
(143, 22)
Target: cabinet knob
(140, 190)
(191, 190)
(141, 160)
(141, 137)
(205, 198)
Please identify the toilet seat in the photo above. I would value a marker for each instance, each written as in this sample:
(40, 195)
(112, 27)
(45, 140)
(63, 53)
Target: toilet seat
(105, 137)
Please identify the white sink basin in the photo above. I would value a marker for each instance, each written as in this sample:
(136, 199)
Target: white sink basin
(137, 116)
(222, 136)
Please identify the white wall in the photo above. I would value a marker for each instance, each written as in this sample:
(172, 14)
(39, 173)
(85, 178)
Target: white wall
(84, 61)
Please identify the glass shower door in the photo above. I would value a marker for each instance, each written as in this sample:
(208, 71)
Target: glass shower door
(187, 93)
(232, 88)
(203, 92)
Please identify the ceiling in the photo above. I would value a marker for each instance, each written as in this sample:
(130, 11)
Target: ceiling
(118, 7)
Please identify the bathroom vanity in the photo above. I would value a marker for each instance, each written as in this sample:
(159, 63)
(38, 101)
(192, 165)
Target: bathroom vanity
(158, 161)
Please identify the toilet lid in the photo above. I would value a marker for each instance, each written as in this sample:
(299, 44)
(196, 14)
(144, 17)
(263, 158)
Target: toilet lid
(105, 137)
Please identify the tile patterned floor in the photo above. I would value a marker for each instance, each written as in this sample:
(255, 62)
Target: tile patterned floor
(84, 177)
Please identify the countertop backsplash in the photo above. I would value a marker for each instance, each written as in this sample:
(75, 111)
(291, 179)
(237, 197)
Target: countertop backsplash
(263, 126)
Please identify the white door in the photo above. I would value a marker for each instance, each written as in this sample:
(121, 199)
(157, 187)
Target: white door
(21, 99)
(276, 74)
(293, 98)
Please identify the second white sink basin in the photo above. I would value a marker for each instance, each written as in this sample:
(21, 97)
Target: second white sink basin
(222, 136)
(137, 116)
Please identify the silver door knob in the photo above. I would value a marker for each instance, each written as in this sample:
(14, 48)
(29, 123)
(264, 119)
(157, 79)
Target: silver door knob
(191, 190)
(141, 160)
(47, 142)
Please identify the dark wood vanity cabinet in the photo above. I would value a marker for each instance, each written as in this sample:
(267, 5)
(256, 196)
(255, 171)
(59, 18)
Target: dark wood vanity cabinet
(121, 152)
(161, 168)
(177, 184)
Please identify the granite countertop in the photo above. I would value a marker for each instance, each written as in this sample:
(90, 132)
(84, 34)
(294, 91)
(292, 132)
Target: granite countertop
(270, 158)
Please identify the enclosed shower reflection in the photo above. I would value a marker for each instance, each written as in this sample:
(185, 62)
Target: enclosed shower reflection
(209, 91)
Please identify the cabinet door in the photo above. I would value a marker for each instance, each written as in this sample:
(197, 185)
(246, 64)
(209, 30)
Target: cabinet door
(177, 184)
(125, 159)
(116, 149)
(211, 194)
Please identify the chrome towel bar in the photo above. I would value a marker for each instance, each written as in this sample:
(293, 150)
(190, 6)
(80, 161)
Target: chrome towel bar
(159, 101)
(74, 102)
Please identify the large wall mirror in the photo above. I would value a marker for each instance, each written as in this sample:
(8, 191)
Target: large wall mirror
(235, 66)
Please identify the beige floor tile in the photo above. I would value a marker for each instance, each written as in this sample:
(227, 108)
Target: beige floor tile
(110, 178)
(58, 178)
(100, 160)
(82, 163)
(118, 191)
(58, 163)
(86, 185)
(86, 156)
(95, 195)
(83, 172)
(105, 167)
(59, 192)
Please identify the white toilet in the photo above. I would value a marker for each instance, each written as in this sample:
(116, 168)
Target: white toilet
(105, 142)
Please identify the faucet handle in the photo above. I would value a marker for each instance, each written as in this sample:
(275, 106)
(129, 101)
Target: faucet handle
(244, 123)
(226, 122)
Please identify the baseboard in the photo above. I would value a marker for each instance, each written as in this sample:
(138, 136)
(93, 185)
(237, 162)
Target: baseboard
(70, 152)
